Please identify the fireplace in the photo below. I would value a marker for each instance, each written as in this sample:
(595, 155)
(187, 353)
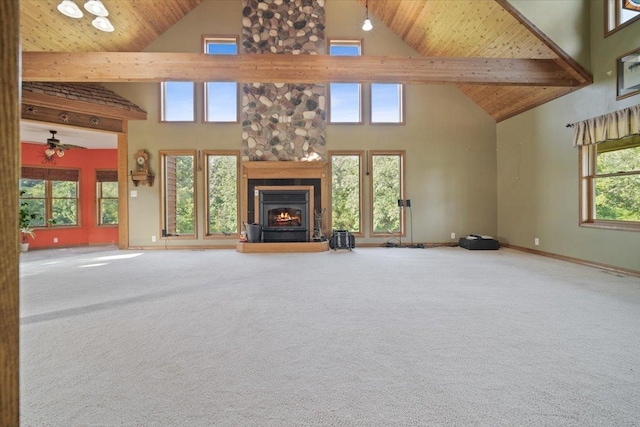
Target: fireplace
(284, 213)
(283, 176)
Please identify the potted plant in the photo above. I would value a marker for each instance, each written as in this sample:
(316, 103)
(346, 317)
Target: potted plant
(24, 224)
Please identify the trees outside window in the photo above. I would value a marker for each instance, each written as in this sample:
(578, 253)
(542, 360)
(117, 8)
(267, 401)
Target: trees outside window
(179, 193)
(177, 101)
(346, 190)
(222, 193)
(107, 197)
(221, 98)
(52, 195)
(610, 184)
(387, 186)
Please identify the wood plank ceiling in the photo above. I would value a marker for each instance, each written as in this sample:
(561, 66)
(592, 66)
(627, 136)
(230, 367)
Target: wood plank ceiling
(483, 29)
(434, 28)
(139, 22)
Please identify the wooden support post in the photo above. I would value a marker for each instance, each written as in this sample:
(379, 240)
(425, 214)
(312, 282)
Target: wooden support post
(9, 248)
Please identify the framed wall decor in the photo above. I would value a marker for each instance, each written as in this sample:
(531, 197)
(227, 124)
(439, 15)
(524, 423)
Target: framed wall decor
(628, 71)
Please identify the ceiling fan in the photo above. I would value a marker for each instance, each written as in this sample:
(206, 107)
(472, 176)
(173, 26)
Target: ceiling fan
(54, 146)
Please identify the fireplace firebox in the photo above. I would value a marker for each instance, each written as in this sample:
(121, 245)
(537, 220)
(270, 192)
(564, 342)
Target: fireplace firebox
(284, 213)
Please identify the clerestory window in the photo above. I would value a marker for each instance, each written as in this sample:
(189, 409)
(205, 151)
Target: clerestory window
(619, 14)
(221, 98)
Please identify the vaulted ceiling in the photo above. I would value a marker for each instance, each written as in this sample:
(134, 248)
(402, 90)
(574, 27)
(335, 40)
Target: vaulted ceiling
(434, 28)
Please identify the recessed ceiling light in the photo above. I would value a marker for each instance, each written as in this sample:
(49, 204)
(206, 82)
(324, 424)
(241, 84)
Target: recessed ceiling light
(103, 24)
(70, 9)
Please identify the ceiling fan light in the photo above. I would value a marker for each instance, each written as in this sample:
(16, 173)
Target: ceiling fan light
(49, 152)
(70, 9)
(103, 24)
(60, 152)
(96, 7)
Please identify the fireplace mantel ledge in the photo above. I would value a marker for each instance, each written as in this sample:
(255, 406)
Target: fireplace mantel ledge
(284, 169)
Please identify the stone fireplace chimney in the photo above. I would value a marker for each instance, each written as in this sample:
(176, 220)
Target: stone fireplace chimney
(283, 121)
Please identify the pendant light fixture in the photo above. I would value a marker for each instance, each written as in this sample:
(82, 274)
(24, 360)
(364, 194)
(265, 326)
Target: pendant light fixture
(367, 25)
(103, 24)
(95, 7)
(70, 9)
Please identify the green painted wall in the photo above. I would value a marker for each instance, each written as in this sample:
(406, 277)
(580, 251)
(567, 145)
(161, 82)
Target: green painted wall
(538, 166)
(450, 142)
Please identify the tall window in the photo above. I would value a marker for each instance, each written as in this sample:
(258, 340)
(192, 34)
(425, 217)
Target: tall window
(620, 13)
(177, 101)
(221, 98)
(107, 197)
(346, 190)
(387, 103)
(387, 186)
(51, 194)
(222, 192)
(179, 193)
(611, 184)
(345, 99)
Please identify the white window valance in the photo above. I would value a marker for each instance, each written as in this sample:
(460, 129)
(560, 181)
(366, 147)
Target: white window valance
(616, 125)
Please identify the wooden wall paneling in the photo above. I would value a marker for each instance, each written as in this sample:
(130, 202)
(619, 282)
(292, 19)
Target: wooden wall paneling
(123, 189)
(9, 260)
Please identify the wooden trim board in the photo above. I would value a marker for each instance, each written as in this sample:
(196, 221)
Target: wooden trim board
(9, 261)
(598, 265)
(284, 247)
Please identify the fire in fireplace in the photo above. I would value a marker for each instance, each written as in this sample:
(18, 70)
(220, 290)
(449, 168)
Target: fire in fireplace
(284, 217)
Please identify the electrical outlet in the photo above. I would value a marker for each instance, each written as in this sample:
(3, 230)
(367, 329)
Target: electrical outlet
(55, 240)
(536, 241)
(134, 193)
(153, 239)
(453, 236)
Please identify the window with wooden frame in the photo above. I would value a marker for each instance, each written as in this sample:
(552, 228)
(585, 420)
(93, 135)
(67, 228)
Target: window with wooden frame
(177, 102)
(222, 172)
(619, 14)
(387, 103)
(346, 168)
(51, 194)
(387, 186)
(178, 186)
(610, 184)
(107, 197)
(345, 99)
(220, 98)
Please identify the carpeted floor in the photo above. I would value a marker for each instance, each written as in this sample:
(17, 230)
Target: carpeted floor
(374, 337)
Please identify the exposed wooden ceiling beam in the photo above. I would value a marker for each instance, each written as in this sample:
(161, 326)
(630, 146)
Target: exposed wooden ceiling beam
(157, 67)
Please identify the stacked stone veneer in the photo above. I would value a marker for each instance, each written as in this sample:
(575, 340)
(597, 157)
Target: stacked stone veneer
(283, 121)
